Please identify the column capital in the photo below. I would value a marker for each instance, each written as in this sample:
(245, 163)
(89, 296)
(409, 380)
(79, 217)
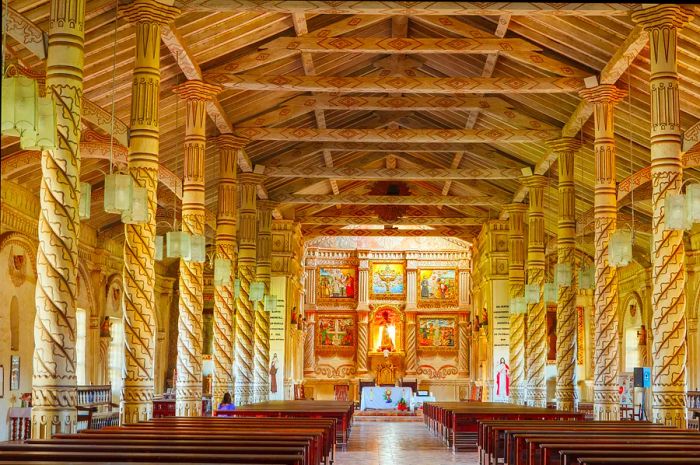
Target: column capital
(229, 141)
(516, 207)
(267, 204)
(535, 181)
(251, 178)
(603, 93)
(149, 11)
(663, 15)
(195, 89)
(564, 144)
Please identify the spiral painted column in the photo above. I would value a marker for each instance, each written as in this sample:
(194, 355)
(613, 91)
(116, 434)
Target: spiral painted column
(224, 303)
(565, 149)
(606, 397)
(188, 390)
(537, 314)
(411, 337)
(139, 275)
(54, 376)
(516, 284)
(245, 316)
(310, 343)
(261, 358)
(463, 349)
(669, 326)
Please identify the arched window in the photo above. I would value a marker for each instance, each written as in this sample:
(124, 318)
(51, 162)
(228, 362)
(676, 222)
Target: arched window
(116, 358)
(80, 344)
(632, 324)
(14, 324)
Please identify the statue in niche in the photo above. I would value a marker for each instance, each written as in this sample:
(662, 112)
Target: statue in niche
(385, 320)
(106, 328)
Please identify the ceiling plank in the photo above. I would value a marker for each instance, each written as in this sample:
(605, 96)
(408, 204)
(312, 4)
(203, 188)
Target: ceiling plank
(404, 221)
(381, 84)
(369, 174)
(355, 199)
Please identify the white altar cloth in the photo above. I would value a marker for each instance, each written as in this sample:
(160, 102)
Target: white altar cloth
(384, 398)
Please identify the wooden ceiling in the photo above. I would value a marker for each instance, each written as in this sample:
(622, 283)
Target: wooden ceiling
(400, 81)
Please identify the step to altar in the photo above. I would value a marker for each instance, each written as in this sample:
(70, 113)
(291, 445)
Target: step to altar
(390, 416)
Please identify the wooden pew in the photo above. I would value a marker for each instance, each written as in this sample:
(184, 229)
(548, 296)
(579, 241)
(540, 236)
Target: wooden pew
(638, 460)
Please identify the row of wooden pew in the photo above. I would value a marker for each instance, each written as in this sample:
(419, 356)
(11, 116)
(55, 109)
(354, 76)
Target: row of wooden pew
(546, 442)
(261, 439)
(456, 423)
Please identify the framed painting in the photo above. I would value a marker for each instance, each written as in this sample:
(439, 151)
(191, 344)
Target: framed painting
(387, 280)
(335, 333)
(437, 288)
(14, 373)
(336, 284)
(437, 332)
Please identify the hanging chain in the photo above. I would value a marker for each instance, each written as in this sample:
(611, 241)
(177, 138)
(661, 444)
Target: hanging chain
(114, 76)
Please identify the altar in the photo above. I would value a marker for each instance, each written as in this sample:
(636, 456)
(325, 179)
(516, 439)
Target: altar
(385, 398)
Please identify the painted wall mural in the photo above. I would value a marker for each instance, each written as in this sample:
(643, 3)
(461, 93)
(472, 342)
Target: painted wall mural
(336, 284)
(387, 280)
(335, 333)
(437, 332)
(437, 288)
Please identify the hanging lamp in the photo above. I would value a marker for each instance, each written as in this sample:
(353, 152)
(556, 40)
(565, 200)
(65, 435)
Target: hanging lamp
(270, 303)
(222, 271)
(159, 248)
(586, 277)
(85, 201)
(257, 291)
(532, 293)
(563, 273)
(198, 248)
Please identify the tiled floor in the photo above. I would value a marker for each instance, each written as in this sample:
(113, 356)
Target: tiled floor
(398, 443)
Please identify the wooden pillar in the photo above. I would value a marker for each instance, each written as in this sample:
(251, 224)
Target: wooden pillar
(261, 358)
(464, 346)
(138, 298)
(54, 375)
(516, 283)
(537, 313)
(224, 301)
(245, 317)
(188, 391)
(363, 314)
(606, 397)
(310, 343)
(668, 300)
(565, 149)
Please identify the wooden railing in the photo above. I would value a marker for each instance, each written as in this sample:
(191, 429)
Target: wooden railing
(20, 423)
(95, 407)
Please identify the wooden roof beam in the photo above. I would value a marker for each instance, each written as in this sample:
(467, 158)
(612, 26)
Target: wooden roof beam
(404, 221)
(465, 233)
(355, 199)
(368, 174)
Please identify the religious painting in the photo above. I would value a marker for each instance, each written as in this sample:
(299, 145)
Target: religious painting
(437, 332)
(551, 334)
(337, 284)
(387, 280)
(14, 372)
(437, 288)
(335, 333)
(581, 334)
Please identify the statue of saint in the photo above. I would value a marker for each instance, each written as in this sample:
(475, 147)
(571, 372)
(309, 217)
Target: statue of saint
(106, 327)
(387, 343)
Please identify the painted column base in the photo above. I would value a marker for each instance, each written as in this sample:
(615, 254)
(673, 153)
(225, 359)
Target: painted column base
(243, 393)
(606, 403)
(135, 411)
(566, 398)
(49, 421)
(669, 408)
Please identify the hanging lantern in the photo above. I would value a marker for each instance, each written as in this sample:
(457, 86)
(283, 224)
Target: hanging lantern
(198, 251)
(586, 277)
(257, 291)
(19, 106)
(620, 248)
(563, 274)
(692, 203)
(159, 247)
(178, 245)
(676, 215)
(85, 200)
(118, 193)
(44, 136)
(532, 293)
(551, 293)
(518, 306)
(236, 288)
(222, 271)
(270, 303)
(138, 211)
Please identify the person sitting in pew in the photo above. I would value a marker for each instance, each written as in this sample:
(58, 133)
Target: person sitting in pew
(226, 403)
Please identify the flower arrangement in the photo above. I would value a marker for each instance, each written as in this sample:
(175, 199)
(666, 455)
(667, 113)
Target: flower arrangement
(402, 406)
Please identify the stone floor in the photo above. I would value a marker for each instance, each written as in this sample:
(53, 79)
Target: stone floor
(398, 443)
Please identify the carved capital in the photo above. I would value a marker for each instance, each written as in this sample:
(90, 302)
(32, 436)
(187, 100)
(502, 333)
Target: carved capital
(149, 11)
(267, 205)
(251, 178)
(663, 16)
(535, 181)
(515, 208)
(604, 93)
(196, 90)
(564, 145)
(229, 141)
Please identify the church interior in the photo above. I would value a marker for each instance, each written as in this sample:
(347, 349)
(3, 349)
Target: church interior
(408, 229)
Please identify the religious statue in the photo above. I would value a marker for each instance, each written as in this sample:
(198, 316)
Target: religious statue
(502, 379)
(386, 341)
(105, 328)
(273, 374)
(642, 346)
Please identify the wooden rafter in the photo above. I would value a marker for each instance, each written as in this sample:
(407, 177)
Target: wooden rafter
(411, 8)
(354, 199)
(379, 84)
(398, 135)
(368, 174)
(405, 221)
(466, 232)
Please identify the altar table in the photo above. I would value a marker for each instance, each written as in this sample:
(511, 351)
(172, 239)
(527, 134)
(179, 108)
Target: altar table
(384, 398)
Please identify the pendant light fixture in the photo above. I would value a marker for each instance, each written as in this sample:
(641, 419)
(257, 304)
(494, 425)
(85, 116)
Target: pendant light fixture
(222, 271)
(518, 306)
(257, 291)
(270, 303)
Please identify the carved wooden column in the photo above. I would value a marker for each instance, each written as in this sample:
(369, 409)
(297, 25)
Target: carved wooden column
(224, 303)
(565, 149)
(245, 318)
(516, 284)
(54, 377)
(139, 244)
(606, 397)
(411, 280)
(188, 394)
(363, 313)
(310, 344)
(411, 336)
(464, 345)
(261, 359)
(537, 314)
(668, 261)
(363, 281)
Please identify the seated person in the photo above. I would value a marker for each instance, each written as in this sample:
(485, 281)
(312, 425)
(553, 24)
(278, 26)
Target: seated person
(226, 403)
